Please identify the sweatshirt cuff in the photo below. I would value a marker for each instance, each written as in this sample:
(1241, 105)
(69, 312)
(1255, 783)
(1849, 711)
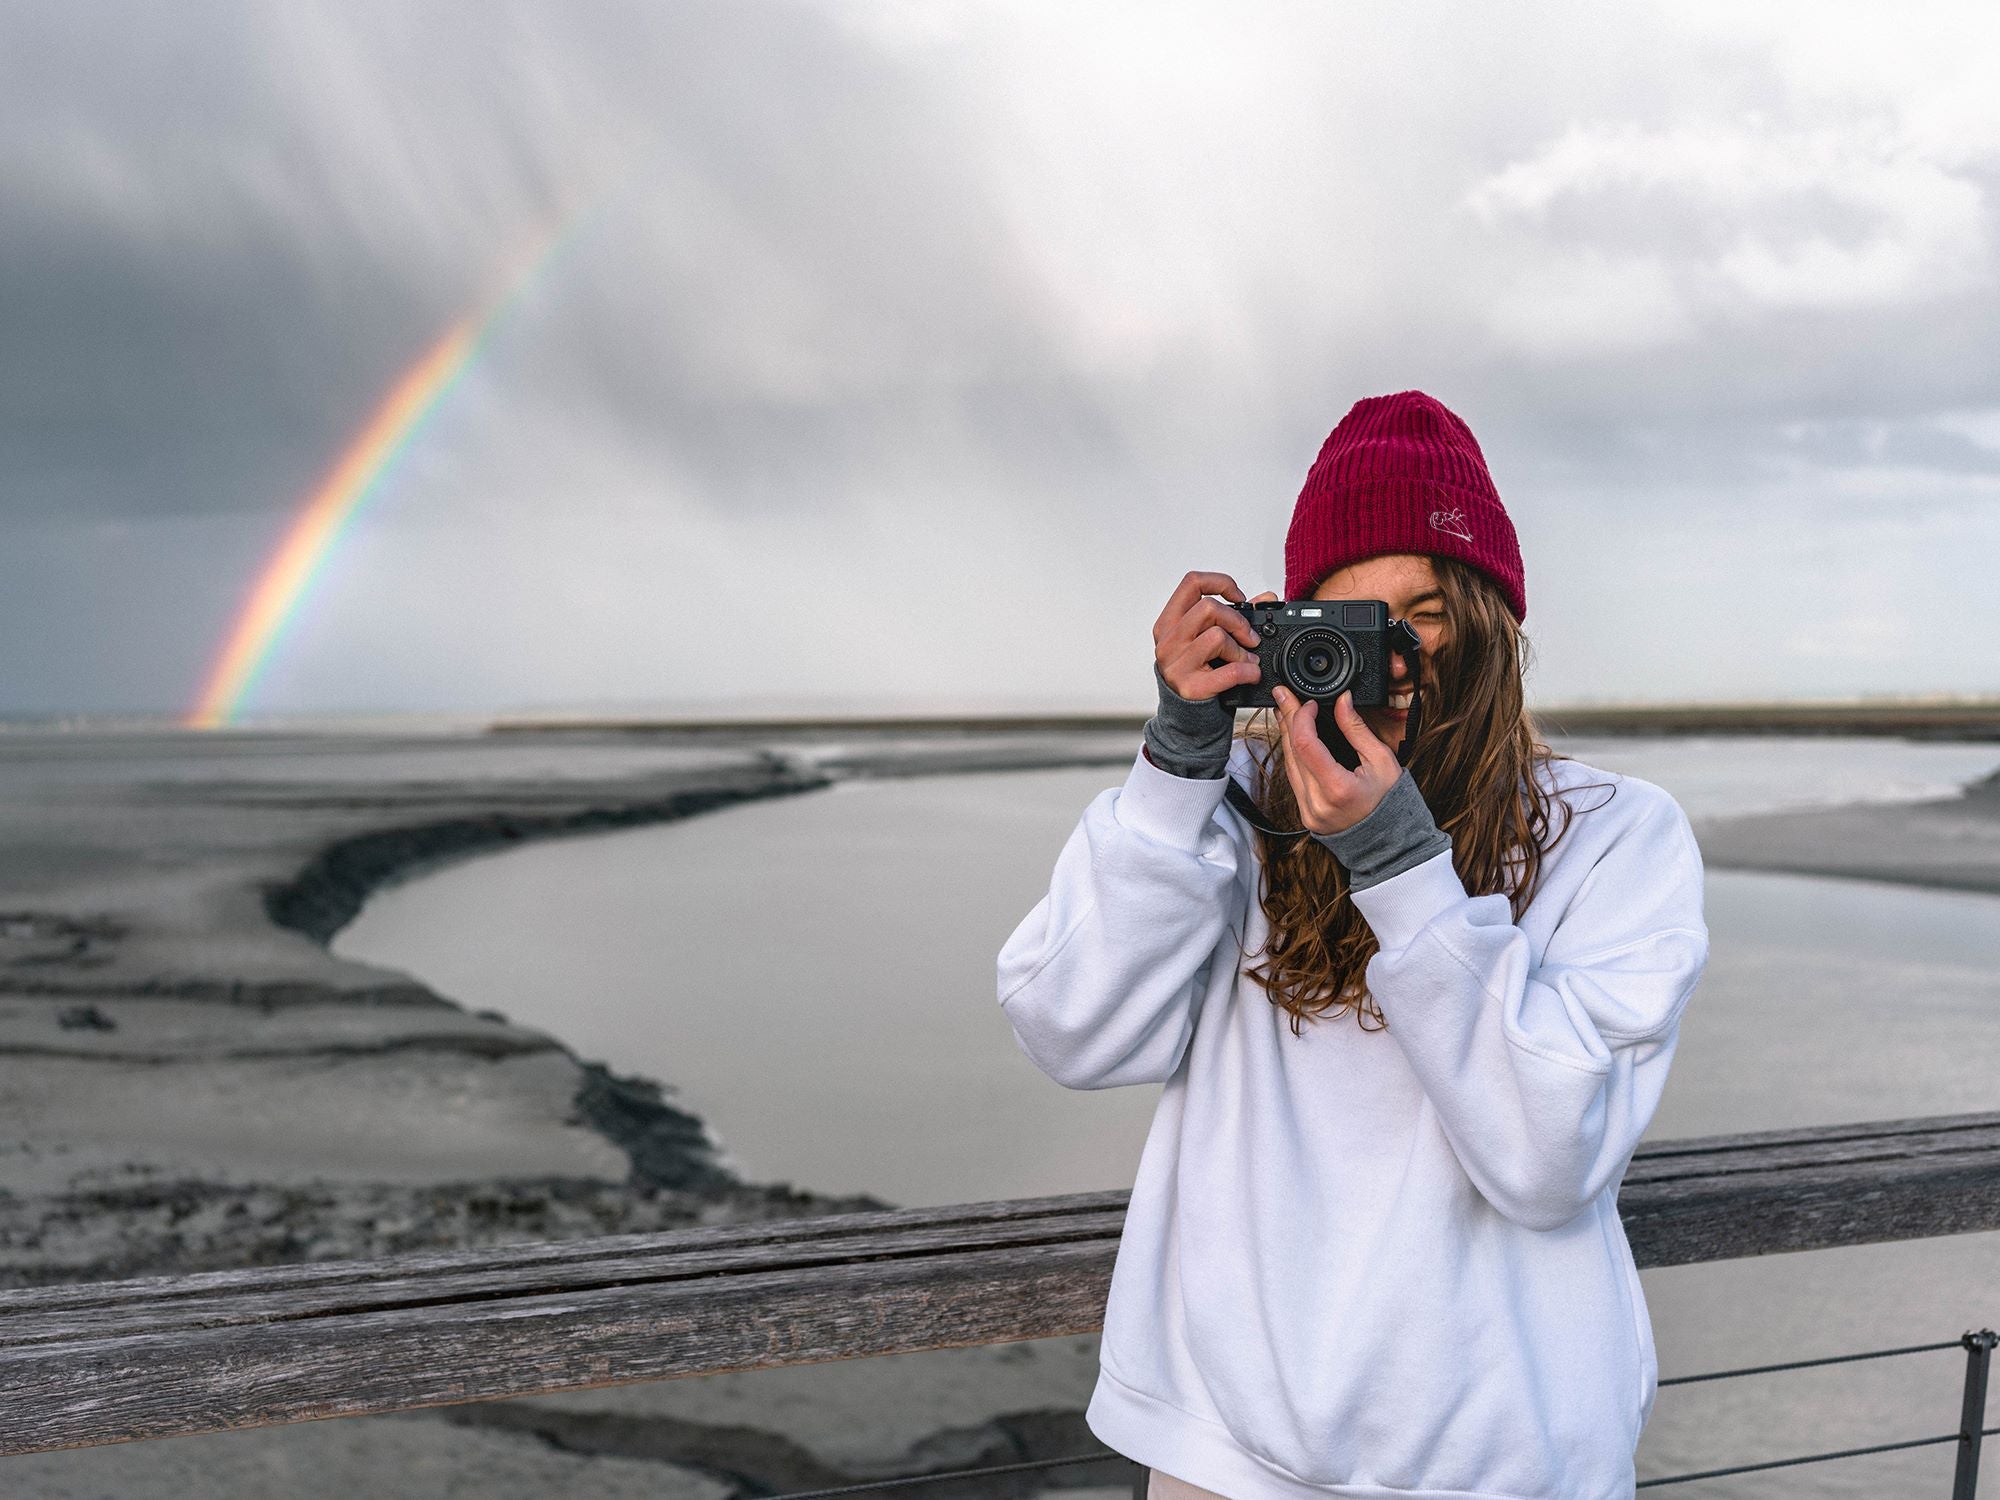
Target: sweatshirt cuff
(1397, 835)
(1166, 808)
(1189, 736)
(1403, 905)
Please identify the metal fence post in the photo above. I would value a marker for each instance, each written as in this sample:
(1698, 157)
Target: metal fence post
(1972, 1415)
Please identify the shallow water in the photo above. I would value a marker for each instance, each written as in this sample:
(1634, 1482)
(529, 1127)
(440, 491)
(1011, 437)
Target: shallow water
(1720, 776)
(814, 976)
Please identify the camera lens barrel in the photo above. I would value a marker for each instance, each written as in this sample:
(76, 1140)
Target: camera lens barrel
(1318, 663)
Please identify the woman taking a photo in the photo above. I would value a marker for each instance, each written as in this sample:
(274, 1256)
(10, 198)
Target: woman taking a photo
(1410, 1030)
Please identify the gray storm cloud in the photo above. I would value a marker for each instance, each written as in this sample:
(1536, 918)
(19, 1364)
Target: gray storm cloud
(1024, 310)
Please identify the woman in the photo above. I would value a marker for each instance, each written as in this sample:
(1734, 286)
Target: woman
(1408, 1043)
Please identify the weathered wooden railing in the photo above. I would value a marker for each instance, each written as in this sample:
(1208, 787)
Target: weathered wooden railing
(111, 1361)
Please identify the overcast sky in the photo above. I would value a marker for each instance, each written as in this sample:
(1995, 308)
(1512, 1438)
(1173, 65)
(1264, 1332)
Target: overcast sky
(911, 352)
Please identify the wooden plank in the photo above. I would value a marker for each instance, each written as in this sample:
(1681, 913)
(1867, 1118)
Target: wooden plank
(1724, 1197)
(387, 1284)
(164, 1355)
(201, 1380)
(1816, 1135)
(531, 1269)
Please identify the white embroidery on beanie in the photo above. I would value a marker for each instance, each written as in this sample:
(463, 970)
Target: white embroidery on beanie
(1451, 523)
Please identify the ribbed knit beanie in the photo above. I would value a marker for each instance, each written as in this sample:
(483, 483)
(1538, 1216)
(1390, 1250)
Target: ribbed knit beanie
(1401, 473)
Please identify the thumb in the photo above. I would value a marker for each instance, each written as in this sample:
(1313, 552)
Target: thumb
(1365, 742)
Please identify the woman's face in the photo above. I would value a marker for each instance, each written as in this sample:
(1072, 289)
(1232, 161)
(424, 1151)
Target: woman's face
(1406, 582)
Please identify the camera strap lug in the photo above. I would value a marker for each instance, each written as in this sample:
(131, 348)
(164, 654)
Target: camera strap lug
(1406, 643)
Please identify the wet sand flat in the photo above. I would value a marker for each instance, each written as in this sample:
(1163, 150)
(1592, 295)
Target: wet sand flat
(190, 1079)
(1952, 843)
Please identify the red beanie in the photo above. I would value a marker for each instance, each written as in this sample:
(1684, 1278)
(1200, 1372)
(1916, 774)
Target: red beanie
(1401, 473)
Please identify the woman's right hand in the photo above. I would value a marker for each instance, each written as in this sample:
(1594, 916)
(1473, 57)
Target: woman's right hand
(1196, 629)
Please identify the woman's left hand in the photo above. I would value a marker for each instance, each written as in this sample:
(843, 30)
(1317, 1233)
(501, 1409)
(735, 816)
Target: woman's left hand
(1332, 798)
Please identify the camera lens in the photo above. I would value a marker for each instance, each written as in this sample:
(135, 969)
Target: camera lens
(1318, 664)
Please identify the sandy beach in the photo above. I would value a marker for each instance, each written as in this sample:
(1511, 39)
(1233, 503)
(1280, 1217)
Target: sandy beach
(189, 1079)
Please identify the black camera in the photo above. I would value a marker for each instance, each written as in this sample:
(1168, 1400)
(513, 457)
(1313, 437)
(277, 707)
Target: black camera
(1321, 648)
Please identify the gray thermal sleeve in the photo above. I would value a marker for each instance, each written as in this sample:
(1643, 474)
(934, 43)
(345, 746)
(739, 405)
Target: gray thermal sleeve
(1189, 737)
(1398, 835)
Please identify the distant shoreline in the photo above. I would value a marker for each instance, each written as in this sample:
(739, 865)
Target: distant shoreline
(1975, 717)
(1921, 721)
(1965, 721)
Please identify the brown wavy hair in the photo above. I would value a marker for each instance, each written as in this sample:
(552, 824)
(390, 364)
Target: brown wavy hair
(1475, 762)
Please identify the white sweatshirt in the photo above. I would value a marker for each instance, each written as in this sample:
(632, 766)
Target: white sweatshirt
(1381, 1263)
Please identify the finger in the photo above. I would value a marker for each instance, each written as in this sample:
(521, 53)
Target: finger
(1285, 704)
(1339, 779)
(1287, 709)
(1191, 588)
(1305, 736)
(1208, 621)
(1315, 775)
(1219, 640)
(1300, 718)
(1229, 619)
(1207, 612)
(1194, 675)
(1199, 687)
(1367, 744)
(1267, 595)
(1213, 681)
(1205, 648)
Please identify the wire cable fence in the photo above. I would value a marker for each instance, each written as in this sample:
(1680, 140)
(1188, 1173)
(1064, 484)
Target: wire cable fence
(1978, 1346)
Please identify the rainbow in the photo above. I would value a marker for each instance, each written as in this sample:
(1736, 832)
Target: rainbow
(358, 476)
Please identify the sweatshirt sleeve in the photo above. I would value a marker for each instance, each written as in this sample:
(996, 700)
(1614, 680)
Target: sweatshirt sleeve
(1545, 1074)
(1102, 981)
